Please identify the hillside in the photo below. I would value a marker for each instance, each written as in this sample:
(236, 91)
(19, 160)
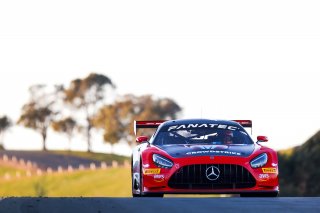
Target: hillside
(113, 182)
(299, 169)
(298, 166)
(18, 178)
(108, 158)
(64, 159)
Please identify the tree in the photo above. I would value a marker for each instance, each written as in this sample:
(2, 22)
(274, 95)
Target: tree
(37, 113)
(105, 119)
(5, 124)
(117, 119)
(298, 169)
(66, 126)
(86, 94)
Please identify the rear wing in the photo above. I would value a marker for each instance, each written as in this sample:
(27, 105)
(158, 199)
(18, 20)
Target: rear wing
(245, 123)
(146, 124)
(155, 123)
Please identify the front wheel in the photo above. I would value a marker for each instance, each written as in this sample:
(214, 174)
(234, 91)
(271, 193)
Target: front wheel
(140, 185)
(260, 194)
(153, 195)
(135, 195)
(134, 183)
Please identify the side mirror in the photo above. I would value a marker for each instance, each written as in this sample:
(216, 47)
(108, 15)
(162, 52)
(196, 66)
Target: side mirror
(141, 139)
(262, 139)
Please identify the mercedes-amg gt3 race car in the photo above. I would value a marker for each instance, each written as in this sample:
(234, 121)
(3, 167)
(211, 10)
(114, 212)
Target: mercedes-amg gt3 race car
(200, 156)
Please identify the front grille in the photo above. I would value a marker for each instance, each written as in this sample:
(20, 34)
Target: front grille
(194, 177)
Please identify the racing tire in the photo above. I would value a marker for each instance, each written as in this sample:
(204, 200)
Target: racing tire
(153, 195)
(135, 195)
(261, 194)
(133, 181)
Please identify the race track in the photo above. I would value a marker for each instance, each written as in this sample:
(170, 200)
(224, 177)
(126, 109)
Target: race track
(161, 205)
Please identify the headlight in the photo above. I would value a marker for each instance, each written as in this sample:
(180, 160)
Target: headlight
(259, 161)
(161, 161)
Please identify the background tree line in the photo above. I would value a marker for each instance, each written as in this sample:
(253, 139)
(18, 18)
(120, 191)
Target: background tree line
(298, 169)
(5, 123)
(81, 107)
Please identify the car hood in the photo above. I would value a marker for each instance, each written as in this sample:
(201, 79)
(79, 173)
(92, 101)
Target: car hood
(188, 150)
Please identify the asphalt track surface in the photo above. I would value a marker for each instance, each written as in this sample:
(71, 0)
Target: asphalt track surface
(161, 205)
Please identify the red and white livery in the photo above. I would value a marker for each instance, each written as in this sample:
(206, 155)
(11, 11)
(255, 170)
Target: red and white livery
(201, 156)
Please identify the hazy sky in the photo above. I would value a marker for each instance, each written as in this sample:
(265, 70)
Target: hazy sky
(256, 60)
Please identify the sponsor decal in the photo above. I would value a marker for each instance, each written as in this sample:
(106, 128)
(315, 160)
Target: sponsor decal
(193, 126)
(274, 164)
(151, 171)
(213, 147)
(158, 178)
(214, 152)
(269, 170)
(263, 177)
(212, 173)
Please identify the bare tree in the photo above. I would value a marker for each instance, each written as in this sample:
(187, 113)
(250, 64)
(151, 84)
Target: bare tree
(86, 94)
(5, 124)
(37, 114)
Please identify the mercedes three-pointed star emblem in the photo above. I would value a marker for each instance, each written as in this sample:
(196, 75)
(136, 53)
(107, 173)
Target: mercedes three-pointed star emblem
(212, 173)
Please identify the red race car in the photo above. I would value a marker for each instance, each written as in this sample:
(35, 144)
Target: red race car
(200, 156)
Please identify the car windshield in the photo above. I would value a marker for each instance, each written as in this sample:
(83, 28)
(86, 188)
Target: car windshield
(225, 135)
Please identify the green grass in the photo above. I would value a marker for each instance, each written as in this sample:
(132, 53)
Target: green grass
(95, 156)
(101, 183)
(114, 182)
(4, 169)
